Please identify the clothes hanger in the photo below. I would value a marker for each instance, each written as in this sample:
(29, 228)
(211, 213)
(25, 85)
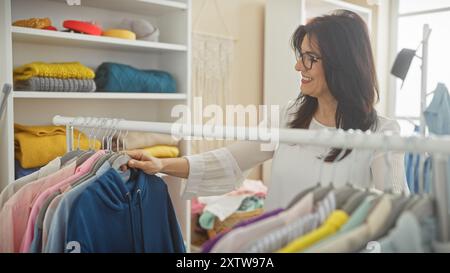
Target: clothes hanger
(69, 156)
(84, 154)
(96, 166)
(122, 159)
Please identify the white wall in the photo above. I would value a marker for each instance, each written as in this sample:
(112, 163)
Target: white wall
(245, 21)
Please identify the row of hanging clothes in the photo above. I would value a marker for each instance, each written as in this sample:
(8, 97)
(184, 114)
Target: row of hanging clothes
(437, 118)
(85, 201)
(325, 219)
(346, 219)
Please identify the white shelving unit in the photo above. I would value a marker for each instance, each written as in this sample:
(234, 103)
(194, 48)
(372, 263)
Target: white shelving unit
(20, 45)
(45, 37)
(97, 95)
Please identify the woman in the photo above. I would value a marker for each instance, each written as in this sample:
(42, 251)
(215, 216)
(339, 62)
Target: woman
(338, 90)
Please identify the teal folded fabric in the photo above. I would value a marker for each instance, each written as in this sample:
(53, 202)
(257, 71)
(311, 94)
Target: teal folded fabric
(115, 77)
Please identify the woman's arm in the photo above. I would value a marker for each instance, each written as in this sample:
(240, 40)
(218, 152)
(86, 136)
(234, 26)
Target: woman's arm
(211, 173)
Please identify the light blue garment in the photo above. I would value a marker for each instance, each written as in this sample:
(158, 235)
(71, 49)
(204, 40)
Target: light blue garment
(437, 116)
(412, 171)
(57, 232)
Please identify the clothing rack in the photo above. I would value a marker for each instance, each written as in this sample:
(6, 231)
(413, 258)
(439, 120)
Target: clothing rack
(439, 146)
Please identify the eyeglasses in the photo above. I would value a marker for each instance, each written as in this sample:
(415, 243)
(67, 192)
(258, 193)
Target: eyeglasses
(308, 59)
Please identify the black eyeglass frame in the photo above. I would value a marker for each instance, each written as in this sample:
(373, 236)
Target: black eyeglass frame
(313, 59)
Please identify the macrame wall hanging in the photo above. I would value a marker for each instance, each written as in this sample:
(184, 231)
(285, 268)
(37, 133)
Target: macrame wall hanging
(212, 57)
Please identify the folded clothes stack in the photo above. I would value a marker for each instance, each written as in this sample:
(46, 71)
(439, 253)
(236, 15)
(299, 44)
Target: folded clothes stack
(156, 145)
(116, 77)
(54, 77)
(35, 146)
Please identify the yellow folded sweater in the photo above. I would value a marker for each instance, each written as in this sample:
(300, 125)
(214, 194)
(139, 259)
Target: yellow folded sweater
(35, 146)
(163, 151)
(55, 70)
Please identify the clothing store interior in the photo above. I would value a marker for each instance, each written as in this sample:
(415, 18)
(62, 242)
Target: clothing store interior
(224, 126)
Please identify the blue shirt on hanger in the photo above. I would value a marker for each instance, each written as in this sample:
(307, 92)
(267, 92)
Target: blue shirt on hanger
(114, 215)
(58, 228)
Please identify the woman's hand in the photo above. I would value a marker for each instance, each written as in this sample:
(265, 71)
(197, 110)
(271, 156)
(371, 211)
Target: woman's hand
(148, 164)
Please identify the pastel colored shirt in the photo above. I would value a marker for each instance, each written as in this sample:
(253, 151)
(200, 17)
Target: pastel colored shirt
(55, 233)
(240, 237)
(61, 186)
(14, 214)
(282, 236)
(12, 188)
(331, 226)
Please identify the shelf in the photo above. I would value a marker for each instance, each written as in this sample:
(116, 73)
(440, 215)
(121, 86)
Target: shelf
(145, 7)
(97, 95)
(48, 37)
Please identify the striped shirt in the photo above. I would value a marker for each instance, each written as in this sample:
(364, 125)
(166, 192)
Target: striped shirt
(284, 235)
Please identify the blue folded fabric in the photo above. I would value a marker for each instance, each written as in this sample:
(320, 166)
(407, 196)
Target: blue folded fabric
(115, 77)
(21, 172)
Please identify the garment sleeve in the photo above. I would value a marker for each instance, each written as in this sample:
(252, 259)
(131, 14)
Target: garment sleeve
(222, 170)
(388, 170)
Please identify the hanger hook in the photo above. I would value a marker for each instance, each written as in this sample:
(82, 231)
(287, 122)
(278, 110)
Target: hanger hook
(91, 132)
(73, 127)
(105, 132)
(323, 160)
(118, 138)
(96, 131)
(317, 135)
(109, 139)
(84, 126)
(336, 159)
(110, 125)
(116, 125)
(124, 140)
(387, 160)
(372, 155)
(350, 168)
(114, 133)
(101, 129)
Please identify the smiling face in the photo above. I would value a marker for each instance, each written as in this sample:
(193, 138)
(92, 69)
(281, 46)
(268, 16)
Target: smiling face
(314, 83)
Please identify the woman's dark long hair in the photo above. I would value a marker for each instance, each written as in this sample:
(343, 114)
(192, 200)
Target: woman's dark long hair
(347, 59)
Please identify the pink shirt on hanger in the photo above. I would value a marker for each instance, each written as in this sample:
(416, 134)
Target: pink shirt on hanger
(15, 212)
(61, 186)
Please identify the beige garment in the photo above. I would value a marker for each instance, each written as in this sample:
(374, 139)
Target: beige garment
(12, 188)
(357, 238)
(242, 236)
(136, 140)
